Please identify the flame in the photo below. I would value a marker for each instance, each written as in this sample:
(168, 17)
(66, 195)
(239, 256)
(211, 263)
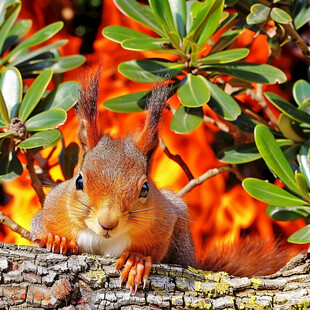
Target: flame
(217, 215)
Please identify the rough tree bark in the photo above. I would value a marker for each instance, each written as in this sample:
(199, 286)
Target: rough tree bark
(32, 278)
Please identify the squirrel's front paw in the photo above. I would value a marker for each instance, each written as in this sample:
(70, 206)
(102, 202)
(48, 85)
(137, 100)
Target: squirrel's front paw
(57, 244)
(137, 268)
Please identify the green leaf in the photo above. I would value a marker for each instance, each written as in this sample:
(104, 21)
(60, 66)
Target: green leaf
(34, 94)
(68, 159)
(244, 123)
(226, 39)
(251, 72)
(10, 17)
(67, 63)
(302, 18)
(38, 52)
(285, 125)
(280, 16)
(287, 213)
(4, 114)
(223, 104)
(64, 96)
(259, 13)
(7, 134)
(46, 120)
(211, 23)
(37, 38)
(42, 138)
(11, 87)
(119, 34)
(226, 21)
(189, 16)
(244, 153)
(134, 102)
(162, 45)
(186, 119)
(200, 12)
(304, 159)
(303, 185)
(20, 29)
(34, 67)
(274, 157)
(194, 92)
(225, 56)
(141, 13)
(270, 193)
(149, 71)
(287, 108)
(178, 11)
(163, 11)
(301, 236)
(10, 167)
(301, 92)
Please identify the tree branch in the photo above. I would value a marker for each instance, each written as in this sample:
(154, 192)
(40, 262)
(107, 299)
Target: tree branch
(178, 159)
(290, 30)
(207, 175)
(33, 278)
(258, 96)
(15, 227)
(35, 182)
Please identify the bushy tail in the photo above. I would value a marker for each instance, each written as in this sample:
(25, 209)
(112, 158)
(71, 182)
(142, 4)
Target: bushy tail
(250, 256)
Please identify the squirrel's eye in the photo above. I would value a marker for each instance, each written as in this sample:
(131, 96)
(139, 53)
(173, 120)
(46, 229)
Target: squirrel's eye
(144, 190)
(79, 183)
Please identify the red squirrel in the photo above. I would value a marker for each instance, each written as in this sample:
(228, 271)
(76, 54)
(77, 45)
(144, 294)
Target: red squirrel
(111, 206)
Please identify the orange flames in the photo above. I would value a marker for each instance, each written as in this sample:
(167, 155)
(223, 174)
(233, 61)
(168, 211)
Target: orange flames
(217, 215)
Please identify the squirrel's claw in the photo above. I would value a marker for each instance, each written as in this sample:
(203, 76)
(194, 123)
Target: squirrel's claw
(147, 268)
(57, 244)
(137, 268)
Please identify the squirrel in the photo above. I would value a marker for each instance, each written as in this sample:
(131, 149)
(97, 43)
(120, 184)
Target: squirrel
(111, 206)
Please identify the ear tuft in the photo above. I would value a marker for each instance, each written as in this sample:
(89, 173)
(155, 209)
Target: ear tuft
(147, 140)
(86, 110)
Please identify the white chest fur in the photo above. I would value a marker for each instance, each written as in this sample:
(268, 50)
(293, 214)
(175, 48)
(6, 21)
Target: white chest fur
(89, 242)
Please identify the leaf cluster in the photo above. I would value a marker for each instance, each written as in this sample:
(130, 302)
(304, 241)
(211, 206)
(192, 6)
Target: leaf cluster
(30, 116)
(186, 29)
(287, 158)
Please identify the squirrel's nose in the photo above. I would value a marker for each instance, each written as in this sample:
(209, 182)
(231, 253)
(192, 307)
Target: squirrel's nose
(108, 226)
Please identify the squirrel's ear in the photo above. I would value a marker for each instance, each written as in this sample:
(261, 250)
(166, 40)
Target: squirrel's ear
(147, 140)
(86, 110)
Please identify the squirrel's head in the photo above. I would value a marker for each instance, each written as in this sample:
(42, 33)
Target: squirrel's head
(112, 178)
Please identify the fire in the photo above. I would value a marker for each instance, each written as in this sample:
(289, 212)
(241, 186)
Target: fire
(217, 215)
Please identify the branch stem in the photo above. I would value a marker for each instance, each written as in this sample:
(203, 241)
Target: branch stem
(178, 159)
(15, 227)
(207, 175)
(35, 181)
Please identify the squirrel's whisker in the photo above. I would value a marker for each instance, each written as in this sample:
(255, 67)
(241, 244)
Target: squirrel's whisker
(142, 210)
(148, 217)
(73, 196)
(81, 215)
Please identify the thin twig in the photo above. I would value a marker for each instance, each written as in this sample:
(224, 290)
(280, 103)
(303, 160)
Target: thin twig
(207, 175)
(258, 96)
(15, 227)
(35, 182)
(178, 159)
(296, 38)
(212, 121)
